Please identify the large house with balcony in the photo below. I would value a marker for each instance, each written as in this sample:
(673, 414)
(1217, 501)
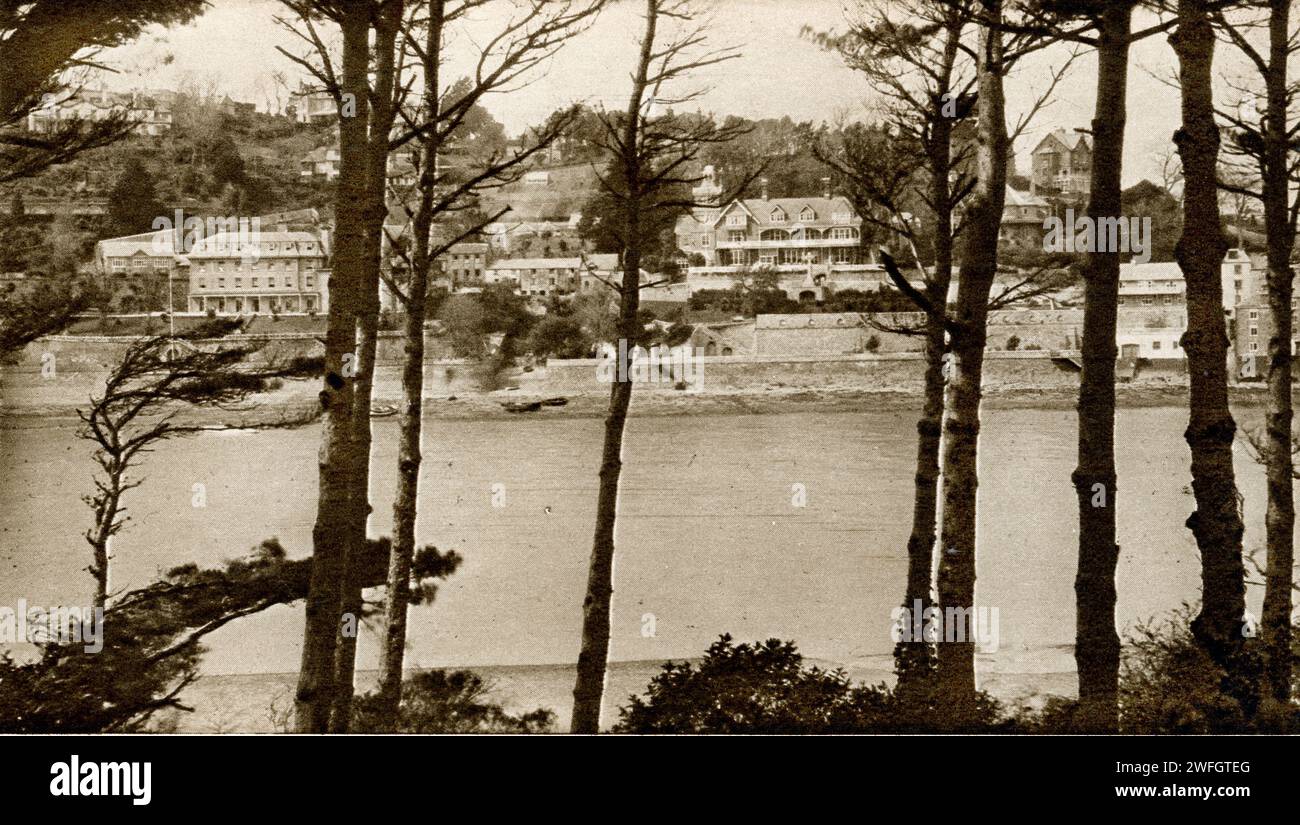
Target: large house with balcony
(281, 271)
(811, 242)
(1062, 165)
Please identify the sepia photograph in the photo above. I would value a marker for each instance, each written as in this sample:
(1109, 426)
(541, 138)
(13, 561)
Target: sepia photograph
(899, 368)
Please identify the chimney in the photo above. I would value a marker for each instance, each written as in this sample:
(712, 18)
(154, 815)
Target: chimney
(763, 184)
(826, 188)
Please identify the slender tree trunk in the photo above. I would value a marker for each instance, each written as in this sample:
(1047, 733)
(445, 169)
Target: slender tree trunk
(352, 604)
(1216, 524)
(316, 683)
(914, 661)
(1279, 519)
(956, 580)
(386, 25)
(393, 650)
(1097, 645)
(589, 687)
(101, 535)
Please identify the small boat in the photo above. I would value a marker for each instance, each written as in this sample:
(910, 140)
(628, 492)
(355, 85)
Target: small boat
(382, 411)
(555, 402)
(519, 407)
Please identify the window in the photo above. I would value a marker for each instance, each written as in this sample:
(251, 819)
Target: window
(139, 263)
(844, 233)
(1147, 300)
(1155, 345)
(119, 264)
(778, 215)
(1254, 314)
(202, 285)
(307, 281)
(270, 281)
(254, 280)
(1254, 331)
(1254, 347)
(735, 236)
(704, 240)
(842, 217)
(221, 282)
(239, 282)
(736, 219)
(807, 214)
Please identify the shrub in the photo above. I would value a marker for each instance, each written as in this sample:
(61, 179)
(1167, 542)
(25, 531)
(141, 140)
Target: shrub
(439, 701)
(765, 688)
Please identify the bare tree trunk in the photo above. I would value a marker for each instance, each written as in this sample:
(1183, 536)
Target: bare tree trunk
(1279, 519)
(352, 604)
(387, 24)
(914, 661)
(589, 687)
(956, 579)
(1097, 645)
(316, 679)
(1216, 524)
(393, 650)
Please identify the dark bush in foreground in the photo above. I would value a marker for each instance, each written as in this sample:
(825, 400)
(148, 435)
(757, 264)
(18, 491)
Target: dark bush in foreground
(1168, 685)
(439, 701)
(765, 688)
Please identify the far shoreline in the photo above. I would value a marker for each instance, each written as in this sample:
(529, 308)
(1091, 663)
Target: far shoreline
(651, 403)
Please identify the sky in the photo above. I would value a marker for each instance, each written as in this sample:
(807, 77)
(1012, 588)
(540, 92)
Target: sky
(232, 50)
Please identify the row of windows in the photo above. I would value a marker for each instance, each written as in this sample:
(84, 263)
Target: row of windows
(1295, 346)
(119, 264)
(778, 215)
(220, 266)
(307, 281)
(257, 303)
(1254, 313)
(838, 233)
(1150, 300)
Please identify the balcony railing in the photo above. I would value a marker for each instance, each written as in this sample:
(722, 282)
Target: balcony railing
(789, 243)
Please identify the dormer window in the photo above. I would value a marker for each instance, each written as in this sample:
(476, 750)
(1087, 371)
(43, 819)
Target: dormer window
(736, 219)
(778, 215)
(807, 214)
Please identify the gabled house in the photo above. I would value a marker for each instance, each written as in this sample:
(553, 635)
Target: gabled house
(1062, 164)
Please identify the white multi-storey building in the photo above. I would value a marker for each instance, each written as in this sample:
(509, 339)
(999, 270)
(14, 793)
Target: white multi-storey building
(280, 271)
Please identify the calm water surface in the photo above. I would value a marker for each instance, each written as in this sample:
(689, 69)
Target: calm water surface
(709, 541)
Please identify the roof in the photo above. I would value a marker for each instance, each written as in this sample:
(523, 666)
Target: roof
(1070, 140)
(761, 210)
(536, 263)
(224, 244)
(604, 261)
(161, 242)
(322, 154)
(1166, 270)
(1017, 198)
